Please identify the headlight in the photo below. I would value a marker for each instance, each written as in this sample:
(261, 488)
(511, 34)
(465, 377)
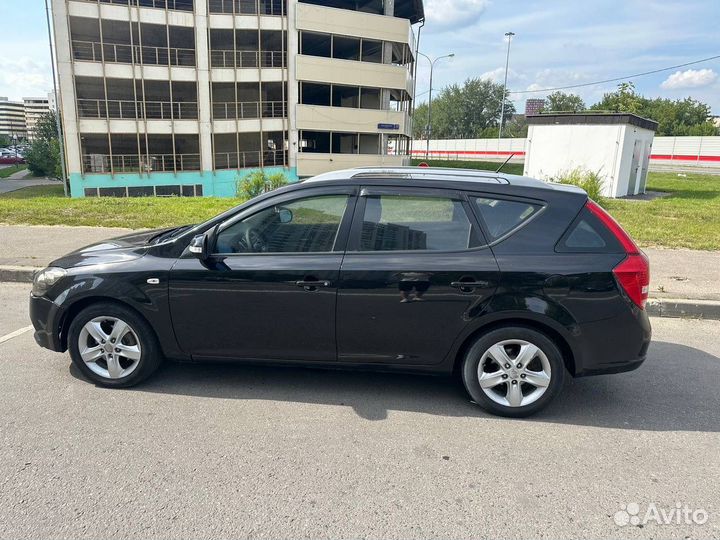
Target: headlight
(46, 279)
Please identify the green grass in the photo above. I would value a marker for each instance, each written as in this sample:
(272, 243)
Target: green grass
(688, 218)
(45, 205)
(7, 171)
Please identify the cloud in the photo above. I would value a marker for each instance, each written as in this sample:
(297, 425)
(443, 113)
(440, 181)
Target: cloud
(498, 74)
(690, 78)
(24, 77)
(445, 15)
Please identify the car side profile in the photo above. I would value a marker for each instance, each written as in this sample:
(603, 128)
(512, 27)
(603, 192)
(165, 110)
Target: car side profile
(510, 282)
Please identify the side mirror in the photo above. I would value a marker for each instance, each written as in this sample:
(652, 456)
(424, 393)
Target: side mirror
(199, 246)
(285, 215)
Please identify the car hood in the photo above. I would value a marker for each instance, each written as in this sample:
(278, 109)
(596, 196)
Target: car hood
(115, 250)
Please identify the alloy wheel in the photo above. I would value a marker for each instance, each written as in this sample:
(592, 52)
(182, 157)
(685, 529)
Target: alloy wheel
(514, 373)
(109, 347)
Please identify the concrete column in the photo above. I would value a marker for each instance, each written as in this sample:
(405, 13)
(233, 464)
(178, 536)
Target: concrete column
(387, 59)
(66, 87)
(202, 55)
(293, 49)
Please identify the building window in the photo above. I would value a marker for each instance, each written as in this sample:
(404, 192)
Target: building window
(371, 51)
(315, 94)
(345, 96)
(370, 98)
(346, 48)
(316, 44)
(315, 142)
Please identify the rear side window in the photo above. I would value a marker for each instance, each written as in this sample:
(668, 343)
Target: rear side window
(412, 223)
(502, 217)
(587, 234)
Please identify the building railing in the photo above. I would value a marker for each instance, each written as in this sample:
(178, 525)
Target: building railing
(220, 58)
(249, 109)
(241, 160)
(127, 54)
(131, 109)
(181, 5)
(248, 7)
(133, 163)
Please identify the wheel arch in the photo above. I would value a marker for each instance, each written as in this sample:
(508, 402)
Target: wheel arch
(77, 307)
(569, 357)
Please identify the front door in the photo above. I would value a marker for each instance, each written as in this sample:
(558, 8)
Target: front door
(269, 291)
(414, 275)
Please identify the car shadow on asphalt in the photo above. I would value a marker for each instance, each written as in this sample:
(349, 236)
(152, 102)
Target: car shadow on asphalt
(674, 390)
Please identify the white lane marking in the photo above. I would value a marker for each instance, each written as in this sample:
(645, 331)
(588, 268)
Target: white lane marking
(16, 333)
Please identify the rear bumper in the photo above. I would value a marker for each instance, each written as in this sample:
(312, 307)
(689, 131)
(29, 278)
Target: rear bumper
(614, 345)
(46, 317)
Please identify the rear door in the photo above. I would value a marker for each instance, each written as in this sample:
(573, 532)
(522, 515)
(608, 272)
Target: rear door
(416, 271)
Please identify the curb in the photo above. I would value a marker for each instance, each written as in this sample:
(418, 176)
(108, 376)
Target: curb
(18, 274)
(656, 307)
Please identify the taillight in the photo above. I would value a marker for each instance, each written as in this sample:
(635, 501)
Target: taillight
(633, 272)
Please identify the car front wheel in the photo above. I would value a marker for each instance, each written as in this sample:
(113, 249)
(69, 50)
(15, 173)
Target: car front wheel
(113, 346)
(513, 371)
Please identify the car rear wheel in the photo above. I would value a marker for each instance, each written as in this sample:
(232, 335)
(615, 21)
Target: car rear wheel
(513, 371)
(113, 346)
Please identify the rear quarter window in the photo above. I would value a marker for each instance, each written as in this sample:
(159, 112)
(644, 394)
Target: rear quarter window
(502, 217)
(587, 234)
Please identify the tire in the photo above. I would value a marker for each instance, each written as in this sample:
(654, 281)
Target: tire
(120, 364)
(538, 381)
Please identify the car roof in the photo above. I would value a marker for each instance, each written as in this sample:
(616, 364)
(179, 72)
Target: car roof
(438, 174)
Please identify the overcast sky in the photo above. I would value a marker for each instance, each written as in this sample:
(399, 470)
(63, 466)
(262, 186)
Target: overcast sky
(557, 42)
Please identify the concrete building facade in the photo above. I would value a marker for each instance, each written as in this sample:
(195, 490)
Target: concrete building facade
(35, 108)
(185, 97)
(12, 119)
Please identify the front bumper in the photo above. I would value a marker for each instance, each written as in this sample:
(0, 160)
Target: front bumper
(46, 317)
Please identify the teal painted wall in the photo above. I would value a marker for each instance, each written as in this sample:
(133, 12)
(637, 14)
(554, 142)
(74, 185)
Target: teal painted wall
(220, 183)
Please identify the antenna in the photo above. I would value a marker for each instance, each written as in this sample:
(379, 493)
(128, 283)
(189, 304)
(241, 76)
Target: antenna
(504, 162)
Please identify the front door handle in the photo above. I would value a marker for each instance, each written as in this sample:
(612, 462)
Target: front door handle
(467, 286)
(312, 285)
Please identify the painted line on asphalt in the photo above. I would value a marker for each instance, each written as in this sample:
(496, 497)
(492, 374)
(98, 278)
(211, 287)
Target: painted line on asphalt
(16, 333)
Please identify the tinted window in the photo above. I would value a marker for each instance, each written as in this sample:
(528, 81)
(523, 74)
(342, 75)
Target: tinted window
(403, 223)
(304, 225)
(587, 234)
(502, 216)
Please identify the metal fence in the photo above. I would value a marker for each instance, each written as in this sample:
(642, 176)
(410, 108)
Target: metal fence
(127, 54)
(249, 109)
(133, 163)
(131, 110)
(181, 5)
(248, 7)
(231, 58)
(239, 160)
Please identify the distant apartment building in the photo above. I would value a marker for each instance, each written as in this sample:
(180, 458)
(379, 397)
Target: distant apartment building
(185, 97)
(534, 106)
(12, 119)
(35, 109)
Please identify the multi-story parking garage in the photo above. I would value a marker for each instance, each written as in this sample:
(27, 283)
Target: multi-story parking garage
(187, 96)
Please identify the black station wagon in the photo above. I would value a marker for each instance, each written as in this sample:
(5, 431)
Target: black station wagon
(510, 282)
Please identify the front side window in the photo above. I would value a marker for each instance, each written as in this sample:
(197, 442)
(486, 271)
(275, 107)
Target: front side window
(308, 225)
(502, 216)
(410, 223)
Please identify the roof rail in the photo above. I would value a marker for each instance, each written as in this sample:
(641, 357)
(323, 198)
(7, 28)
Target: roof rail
(409, 173)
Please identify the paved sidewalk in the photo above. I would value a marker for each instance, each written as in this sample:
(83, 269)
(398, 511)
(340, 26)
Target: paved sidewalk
(21, 180)
(683, 281)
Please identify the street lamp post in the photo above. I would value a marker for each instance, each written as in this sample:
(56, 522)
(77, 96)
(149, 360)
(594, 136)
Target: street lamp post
(429, 115)
(509, 35)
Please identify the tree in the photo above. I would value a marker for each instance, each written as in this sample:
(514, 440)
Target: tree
(562, 102)
(674, 117)
(624, 99)
(464, 111)
(4, 141)
(43, 157)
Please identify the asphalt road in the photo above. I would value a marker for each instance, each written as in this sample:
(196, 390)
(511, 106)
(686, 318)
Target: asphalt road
(227, 451)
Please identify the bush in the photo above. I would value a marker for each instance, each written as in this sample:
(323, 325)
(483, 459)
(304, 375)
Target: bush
(258, 182)
(591, 182)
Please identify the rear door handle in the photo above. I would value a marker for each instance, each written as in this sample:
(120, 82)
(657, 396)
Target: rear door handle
(312, 284)
(469, 284)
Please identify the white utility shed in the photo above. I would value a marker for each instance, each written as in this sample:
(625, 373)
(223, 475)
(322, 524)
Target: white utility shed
(615, 145)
